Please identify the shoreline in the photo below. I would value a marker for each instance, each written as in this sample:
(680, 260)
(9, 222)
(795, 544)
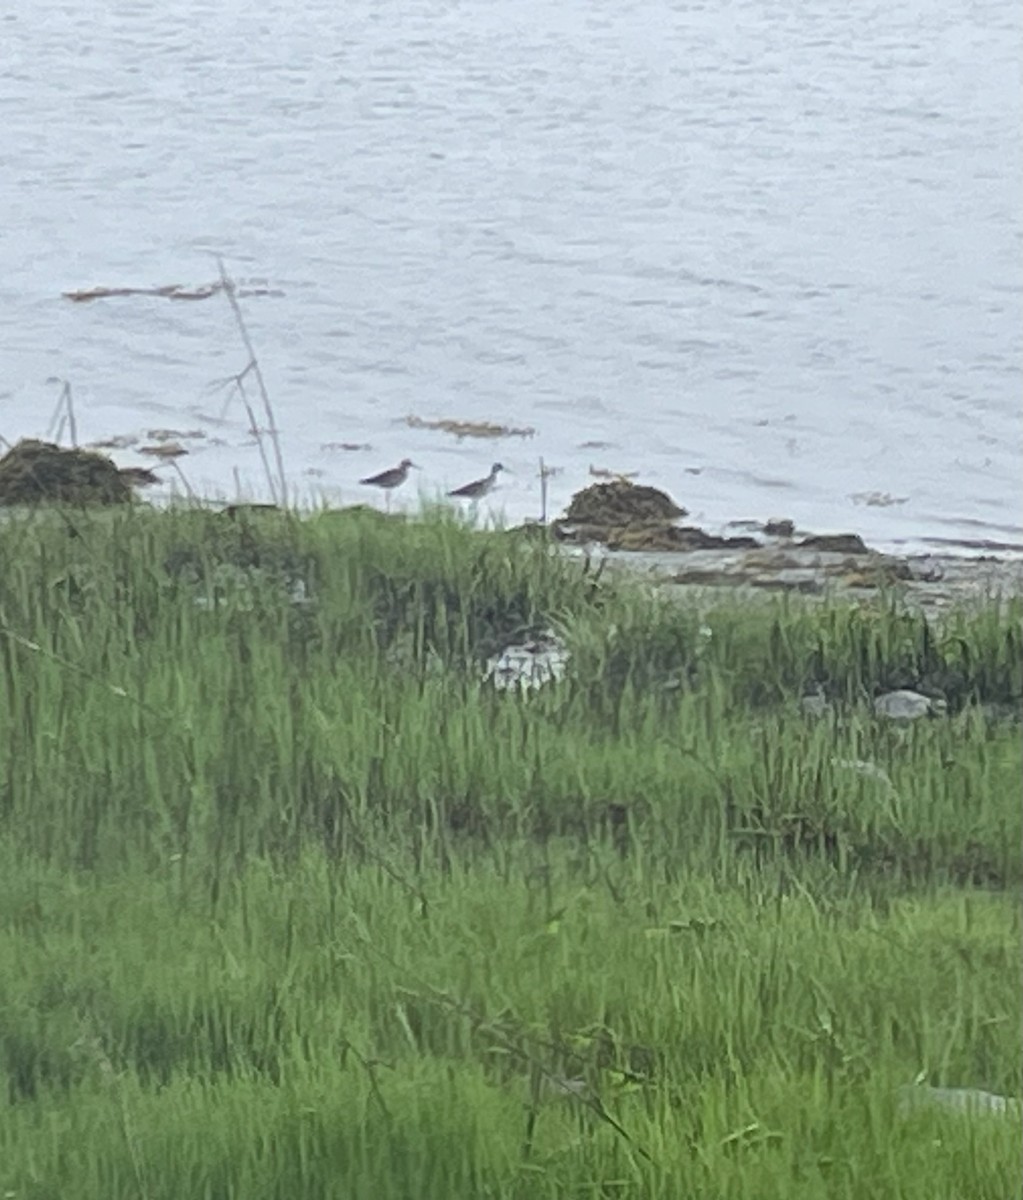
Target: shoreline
(633, 528)
(308, 498)
(929, 582)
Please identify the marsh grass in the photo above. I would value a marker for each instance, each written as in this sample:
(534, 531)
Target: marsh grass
(296, 905)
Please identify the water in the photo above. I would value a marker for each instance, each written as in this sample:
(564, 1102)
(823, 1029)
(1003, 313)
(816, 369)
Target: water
(767, 254)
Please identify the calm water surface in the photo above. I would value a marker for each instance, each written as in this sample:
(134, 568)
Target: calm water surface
(766, 254)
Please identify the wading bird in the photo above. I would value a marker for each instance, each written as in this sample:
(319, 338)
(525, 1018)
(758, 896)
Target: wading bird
(479, 487)
(388, 480)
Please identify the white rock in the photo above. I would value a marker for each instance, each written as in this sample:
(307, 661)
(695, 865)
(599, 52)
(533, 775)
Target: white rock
(971, 1101)
(905, 705)
(815, 704)
(528, 666)
(867, 770)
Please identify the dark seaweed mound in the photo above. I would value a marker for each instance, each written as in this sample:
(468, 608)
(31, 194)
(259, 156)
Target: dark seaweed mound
(34, 472)
(628, 516)
(621, 503)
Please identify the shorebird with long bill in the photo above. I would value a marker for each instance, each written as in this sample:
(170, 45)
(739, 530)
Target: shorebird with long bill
(390, 479)
(479, 487)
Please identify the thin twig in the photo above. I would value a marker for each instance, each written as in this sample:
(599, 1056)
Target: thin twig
(91, 1041)
(588, 1099)
(64, 662)
(257, 431)
(181, 475)
(535, 1087)
(69, 407)
(368, 1066)
(237, 382)
(271, 421)
(63, 414)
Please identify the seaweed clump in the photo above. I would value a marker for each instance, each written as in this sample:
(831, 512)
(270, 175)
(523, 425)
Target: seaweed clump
(621, 503)
(630, 516)
(34, 472)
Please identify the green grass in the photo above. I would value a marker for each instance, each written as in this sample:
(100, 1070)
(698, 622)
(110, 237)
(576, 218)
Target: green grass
(296, 905)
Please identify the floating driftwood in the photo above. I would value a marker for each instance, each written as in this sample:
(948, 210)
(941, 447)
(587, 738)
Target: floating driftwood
(164, 450)
(169, 291)
(173, 435)
(877, 499)
(475, 429)
(120, 441)
(607, 473)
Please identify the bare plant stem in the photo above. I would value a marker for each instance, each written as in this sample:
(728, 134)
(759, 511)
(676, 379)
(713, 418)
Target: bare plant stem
(184, 481)
(69, 408)
(35, 648)
(64, 414)
(279, 493)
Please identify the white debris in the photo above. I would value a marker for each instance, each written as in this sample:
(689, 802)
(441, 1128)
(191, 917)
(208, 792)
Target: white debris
(905, 705)
(239, 586)
(815, 704)
(970, 1101)
(867, 770)
(531, 665)
(562, 1085)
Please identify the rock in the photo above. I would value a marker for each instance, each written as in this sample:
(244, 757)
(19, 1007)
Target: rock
(780, 527)
(878, 571)
(967, 1101)
(673, 537)
(770, 583)
(34, 472)
(531, 531)
(815, 704)
(906, 705)
(834, 543)
(529, 665)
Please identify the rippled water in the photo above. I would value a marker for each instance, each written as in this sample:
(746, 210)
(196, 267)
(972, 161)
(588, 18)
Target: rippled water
(768, 254)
